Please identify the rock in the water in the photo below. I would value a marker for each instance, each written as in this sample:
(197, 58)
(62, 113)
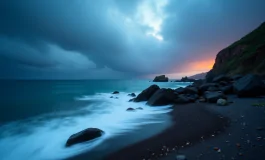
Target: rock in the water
(212, 97)
(249, 86)
(221, 78)
(132, 95)
(146, 94)
(181, 157)
(130, 109)
(161, 78)
(111, 97)
(139, 108)
(115, 92)
(162, 97)
(83, 136)
(131, 100)
(182, 99)
(221, 102)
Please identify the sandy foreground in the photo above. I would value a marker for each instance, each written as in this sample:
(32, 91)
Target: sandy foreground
(207, 132)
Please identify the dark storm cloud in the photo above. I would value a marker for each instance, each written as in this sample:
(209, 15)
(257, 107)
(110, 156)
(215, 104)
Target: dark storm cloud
(111, 37)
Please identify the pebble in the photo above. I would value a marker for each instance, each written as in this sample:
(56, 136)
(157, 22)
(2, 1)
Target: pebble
(238, 145)
(181, 157)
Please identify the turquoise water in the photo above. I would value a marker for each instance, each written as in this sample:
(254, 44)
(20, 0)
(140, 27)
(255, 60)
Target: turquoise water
(37, 117)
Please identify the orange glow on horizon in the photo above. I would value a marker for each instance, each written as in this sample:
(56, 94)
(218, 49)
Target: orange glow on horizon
(205, 65)
(191, 69)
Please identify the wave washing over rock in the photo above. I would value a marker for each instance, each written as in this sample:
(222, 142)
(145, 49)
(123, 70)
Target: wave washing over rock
(44, 137)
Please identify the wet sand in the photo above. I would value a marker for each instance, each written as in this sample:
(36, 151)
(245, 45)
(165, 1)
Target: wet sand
(192, 122)
(244, 139)
(199, 129)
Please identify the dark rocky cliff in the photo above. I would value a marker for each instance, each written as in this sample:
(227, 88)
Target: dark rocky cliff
(247, 55)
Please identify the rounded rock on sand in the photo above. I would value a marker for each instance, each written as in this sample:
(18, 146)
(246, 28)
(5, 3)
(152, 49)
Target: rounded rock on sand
(221, 102)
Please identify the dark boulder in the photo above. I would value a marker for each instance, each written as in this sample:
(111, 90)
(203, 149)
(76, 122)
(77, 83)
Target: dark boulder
(115, 92)
(236, 77)
(83, 136)
(161, 78)
(249, 86)
(227, 89)
(111, 97)
(223, 83)
(213, 88)
(162, 97)
(205, 86)
(131, 100)
(182, 99)
(221, 78)
(198, 83)
(147, 93)
(180, 90)
(191, 90)
(212, 97)
(132, 94)
(139, 108)
(187, 90)
(192, 97)
(130, 109)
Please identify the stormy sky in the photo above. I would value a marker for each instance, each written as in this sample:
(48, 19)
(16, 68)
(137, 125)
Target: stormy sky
(83, 39)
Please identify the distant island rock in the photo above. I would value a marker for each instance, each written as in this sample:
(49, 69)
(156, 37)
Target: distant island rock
(186, 79)
(161, 78)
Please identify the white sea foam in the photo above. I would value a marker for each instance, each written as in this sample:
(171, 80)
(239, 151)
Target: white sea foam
(44, 137)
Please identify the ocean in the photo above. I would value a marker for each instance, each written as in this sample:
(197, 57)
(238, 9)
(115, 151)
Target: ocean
(38, 116)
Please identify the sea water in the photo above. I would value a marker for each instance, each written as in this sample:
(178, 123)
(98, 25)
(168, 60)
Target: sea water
(37, 117)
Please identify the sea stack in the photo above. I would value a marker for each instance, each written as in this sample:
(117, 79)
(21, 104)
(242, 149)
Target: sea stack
(161, 78)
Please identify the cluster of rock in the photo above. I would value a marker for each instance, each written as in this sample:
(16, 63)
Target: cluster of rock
(161, 78)
(186, 79)
(213, 92)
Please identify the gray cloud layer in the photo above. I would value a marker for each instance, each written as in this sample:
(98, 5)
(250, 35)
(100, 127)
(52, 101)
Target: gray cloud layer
(117, 38)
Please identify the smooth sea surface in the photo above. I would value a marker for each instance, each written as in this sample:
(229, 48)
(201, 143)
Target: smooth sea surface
(38, 116)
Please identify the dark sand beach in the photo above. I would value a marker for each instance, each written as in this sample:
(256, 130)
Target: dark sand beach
(200, 129)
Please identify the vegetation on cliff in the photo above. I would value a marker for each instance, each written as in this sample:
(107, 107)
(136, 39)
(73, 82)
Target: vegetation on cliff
(246, 55)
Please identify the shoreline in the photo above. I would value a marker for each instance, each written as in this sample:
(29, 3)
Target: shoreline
(238, 129)
(190, 123)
